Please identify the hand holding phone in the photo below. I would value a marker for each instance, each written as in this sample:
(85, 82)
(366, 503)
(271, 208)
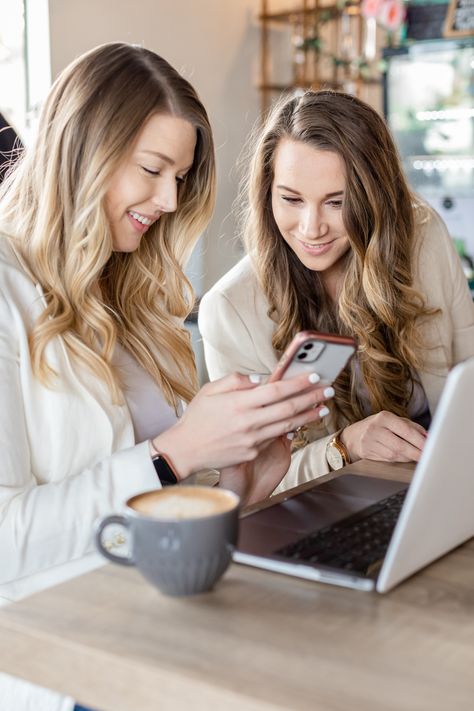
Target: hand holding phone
(312, 351)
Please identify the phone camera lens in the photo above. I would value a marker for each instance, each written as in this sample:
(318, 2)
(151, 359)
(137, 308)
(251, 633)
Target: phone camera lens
(308, 346)
(302, 356)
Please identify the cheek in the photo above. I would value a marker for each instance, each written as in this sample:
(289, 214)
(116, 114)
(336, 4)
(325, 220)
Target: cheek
(112, 198)
(119, 195)
(336, 224)
(281, 216)
(345, 247)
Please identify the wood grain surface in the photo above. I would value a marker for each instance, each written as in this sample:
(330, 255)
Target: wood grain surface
(258, 641)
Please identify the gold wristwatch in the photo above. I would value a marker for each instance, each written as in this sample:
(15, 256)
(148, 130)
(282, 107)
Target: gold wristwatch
(337, 455)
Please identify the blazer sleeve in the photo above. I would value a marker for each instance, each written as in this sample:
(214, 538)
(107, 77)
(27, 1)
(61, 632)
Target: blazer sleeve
(442, 281)
(462, 306)
(307, 464)
(43, 525)
(228, 343)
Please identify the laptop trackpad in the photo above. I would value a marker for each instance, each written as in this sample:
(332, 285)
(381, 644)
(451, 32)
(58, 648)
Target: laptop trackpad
(268, 530)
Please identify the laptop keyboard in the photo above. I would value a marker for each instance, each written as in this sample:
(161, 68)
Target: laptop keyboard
(355, 543)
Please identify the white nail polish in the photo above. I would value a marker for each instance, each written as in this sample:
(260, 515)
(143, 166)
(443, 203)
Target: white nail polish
(255, 378)
(324, 411)
(314, 378)
(329, 392)
(290, 435)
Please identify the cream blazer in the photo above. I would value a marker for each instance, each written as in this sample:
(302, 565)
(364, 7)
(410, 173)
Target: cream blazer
(68, 454)
(237, 331)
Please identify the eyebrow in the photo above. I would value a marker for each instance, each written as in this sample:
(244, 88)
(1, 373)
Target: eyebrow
(164, 157)
(295, 192)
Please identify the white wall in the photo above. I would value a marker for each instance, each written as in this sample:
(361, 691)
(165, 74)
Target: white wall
(215, 44)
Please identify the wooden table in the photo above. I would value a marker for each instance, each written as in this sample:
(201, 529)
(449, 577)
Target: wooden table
(260, 641)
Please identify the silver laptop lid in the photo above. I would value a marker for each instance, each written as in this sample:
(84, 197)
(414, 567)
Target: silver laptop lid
(438, 513)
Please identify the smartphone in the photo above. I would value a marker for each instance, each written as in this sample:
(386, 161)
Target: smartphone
(311, 351)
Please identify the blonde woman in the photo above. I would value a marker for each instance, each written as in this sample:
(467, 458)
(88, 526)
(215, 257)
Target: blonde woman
(336, 242)
(97, 221)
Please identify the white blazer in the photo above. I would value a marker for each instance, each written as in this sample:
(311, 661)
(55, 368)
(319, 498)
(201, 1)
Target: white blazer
(237, 331)
(68, 454)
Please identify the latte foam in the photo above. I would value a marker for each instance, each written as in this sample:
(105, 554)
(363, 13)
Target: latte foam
(183, 502)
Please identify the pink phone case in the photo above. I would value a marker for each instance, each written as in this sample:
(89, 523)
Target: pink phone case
(312, 352)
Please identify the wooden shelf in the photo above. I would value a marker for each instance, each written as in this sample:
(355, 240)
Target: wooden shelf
(287, 16)
(322, 82)
(289, 87)
(340, 32)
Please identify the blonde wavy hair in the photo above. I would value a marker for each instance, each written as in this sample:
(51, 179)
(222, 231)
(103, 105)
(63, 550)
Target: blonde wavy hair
(377, 303)
(52, 208)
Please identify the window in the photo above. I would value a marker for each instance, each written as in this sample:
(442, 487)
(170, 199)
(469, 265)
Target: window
(25, 71)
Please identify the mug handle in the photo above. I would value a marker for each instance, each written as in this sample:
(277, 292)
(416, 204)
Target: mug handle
(99, 529)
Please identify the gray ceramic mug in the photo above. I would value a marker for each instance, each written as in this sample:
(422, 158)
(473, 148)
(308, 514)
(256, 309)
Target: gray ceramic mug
(181, 537)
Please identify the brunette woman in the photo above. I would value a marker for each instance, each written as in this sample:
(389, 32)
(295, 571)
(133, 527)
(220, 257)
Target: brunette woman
(337, 242)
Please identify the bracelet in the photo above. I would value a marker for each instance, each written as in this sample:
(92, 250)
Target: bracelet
(163, 467)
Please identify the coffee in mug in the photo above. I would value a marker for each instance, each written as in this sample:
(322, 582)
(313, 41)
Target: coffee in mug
(181, 537)
(179, 502)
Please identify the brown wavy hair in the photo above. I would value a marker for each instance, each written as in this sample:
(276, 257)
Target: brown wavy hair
(377, 303)
(52, 208)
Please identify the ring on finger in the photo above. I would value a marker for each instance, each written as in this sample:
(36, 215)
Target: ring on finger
(301, 428)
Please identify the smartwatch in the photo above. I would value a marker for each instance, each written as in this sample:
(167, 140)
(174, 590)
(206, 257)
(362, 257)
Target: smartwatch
(163, 468)
(337, 455)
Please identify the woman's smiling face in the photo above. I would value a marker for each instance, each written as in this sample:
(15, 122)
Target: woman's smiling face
(307, 194)
(146, 184)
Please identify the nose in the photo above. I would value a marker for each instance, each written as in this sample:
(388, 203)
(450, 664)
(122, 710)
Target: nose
(312, 225)
(165, 196)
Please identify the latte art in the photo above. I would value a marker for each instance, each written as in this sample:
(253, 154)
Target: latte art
(183, 502)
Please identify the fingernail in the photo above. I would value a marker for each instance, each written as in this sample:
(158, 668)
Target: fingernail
(314, 378)
(324, 411)
(329, 392)
(290, 435)
(255, 378)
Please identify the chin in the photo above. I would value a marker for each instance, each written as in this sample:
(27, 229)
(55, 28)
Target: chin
(312, 264)
(126, 245)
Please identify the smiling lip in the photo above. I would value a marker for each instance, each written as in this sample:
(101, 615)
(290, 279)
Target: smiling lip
(142, 224)
(315, 249)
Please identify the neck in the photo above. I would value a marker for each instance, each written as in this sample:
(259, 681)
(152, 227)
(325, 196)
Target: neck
(332, 282)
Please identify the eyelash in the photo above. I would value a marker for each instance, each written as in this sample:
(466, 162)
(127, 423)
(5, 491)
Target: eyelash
(150, 172)
(154, 173)
(294, 201)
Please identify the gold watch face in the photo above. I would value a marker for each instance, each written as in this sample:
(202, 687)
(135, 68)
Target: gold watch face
(334, 457)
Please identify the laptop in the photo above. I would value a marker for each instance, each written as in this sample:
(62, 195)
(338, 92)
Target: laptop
(371, 534)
